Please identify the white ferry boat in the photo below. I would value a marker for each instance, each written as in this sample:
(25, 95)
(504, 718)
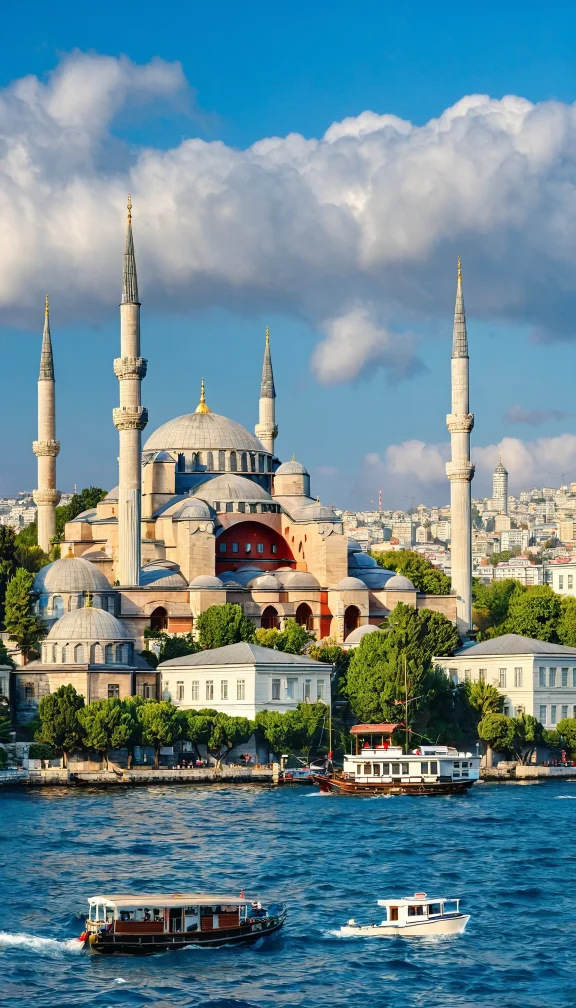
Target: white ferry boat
(380, 768)
(413, 916)
(157, 922)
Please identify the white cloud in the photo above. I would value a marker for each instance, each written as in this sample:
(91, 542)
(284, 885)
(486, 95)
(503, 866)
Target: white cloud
(535, 417)
(356, 231)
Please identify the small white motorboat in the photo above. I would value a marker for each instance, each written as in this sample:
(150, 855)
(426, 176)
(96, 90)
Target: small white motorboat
(412, 916)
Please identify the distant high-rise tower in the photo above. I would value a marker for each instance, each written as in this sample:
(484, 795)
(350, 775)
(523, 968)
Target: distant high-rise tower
(266, 429)
(130, 419)
(500, 488)
(460, 469)
(46, 448)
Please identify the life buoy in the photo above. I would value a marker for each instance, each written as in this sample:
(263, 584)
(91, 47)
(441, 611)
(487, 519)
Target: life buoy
(83, 937)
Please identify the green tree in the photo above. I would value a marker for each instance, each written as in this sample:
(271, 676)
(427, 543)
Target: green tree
(518, 736)
(197, 727)
(106, 724)
(177, 646)
(491, 603)
(566, 626)
(60, 725)
(527, 735)
(224, 624)
(8, 563)
(566, 728)
(28, 536)
(484, 699)
(5, 724)
(31, 558)
(300, 730)
(5, 658)
(39, 750)
(331, 653)
(227, 732)
(268, 637)
(161, 723)
(497, 731)
(20, 620)
(294, 638)
(534, 613)
(423, 575)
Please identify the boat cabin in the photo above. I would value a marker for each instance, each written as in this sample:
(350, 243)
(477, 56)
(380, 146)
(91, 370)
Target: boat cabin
(177, 913)
(418, 908)
(376, 761)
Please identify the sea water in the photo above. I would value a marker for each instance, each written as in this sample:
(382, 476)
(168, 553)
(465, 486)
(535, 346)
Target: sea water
(507, 850)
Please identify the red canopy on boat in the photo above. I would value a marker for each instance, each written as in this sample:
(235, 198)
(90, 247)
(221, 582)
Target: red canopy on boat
(374, 729)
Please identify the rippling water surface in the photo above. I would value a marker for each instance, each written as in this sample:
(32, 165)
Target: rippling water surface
(507, 850)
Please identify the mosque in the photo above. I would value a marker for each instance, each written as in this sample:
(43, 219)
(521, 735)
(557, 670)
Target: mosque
(204, 513)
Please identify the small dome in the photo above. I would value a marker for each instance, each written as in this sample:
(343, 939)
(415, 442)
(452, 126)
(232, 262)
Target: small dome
(353, 546)
(89, 624)
(206, 581)
(375, 579)
(70, 574)
(361, 560)
(231, 487)
(399, 583)
(162, 576)
(245, 574)
(294, 579)
(265, 581)
(316, 512)
(356, 635)
(350, 584)
(192, 508)
(292, 468)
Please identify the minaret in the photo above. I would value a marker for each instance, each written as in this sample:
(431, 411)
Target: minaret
(266, 430)
(130, 419)
(46, 447)
(500, 488)
(460, 470)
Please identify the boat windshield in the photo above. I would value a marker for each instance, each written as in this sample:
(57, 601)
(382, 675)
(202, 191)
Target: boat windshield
(451, 906)
(434, 909)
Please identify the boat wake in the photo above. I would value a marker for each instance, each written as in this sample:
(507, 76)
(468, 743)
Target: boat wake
(36, 944)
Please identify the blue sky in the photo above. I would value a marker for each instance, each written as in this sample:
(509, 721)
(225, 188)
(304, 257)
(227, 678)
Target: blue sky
(256, 71)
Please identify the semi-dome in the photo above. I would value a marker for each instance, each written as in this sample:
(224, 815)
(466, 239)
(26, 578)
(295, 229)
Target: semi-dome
(193, 508)
(206, 581)
(201, 432)
(291, 468)
(316, 512)
(350, 584)
(229, 487)
(88, 624)
(399, 583)
(356, 635)
(297, 579)
(162, 577)
(70, 574)
(353, 546)
(375, 579)
(265, 582)
(362, 560)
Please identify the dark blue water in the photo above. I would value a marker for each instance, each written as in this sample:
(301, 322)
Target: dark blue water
(507, 850)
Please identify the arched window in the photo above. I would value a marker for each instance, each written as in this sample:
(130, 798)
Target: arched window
(181, 462)
(304, 616)
(97, 654)
(109, 652)
(97, 601)
(233, 462)
(222, 461)
(351, 620)
(58, 606)
(119, 655)
(261, 463)
(269, 619)
(244, 462)
(209, 461)
(159, 619)
(252, 462)
(54, 652)
(78, 654)
(63, 656)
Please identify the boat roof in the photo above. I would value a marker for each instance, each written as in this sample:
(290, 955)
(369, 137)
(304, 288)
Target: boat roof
(169, 899)
(374, 729)
(416, 898)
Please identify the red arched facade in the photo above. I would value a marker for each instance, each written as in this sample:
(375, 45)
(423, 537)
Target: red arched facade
(159, 619)
(304, 616)
(251, 542)
(269, 619)
(351, 619)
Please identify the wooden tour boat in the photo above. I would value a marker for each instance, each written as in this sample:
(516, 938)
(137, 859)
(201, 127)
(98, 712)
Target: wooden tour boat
(413, 916)
(156, 922)
(379, 768)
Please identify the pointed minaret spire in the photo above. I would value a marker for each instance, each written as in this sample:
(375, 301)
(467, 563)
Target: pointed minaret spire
(460, 469)
(46, 448)
(202, 407)
(266, 429)
(130, 418)
(129, 278)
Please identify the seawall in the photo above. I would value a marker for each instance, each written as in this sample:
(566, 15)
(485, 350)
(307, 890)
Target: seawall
(138, 777)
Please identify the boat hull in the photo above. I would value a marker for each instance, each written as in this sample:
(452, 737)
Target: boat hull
(147, 943)
(340, 785)
(454, 924)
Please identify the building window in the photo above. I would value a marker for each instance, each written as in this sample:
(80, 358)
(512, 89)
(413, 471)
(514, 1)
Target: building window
(244, 462)
(517, 676)
(542, 713)
(261, 463)
(574, 676)
(234, 547)
(179, 690)
(233, 462)
(307, 689)
(209, 689)
(552, 677)
(242, 507)
(29, 692)
(570, 580)
(146, 691)
(453, 673)
(553, 718)
(564, 676)
(274, 548)
(224, 689)
(78, 654)
(542, 676)
(502, 678)
(291, 686)
(320, 683)
(216, 505)
(560, 580)
(252, 463)
(482, 675)
(247, 548)
(3, 687)
(507, 711)
(209, 461)
(195, 690)
(109, 654)
(222, 547)
(276, 689)
(467, 675)
(564, 710)
(574, 710)
(260, 547)
(229, 506)
(113, 690)
(240, 689)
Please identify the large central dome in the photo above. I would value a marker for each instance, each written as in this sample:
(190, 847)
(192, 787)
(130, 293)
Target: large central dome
(203, 432)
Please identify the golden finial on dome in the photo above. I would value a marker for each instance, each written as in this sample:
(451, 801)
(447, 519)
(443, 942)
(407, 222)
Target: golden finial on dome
(459, 269)
(88, 602)
(129, 207)
(293, 457)
(69, 555)
(202, 407)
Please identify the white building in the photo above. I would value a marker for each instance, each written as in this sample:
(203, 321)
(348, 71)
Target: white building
(521, 570)
(561, 577)
(242, 679)
(534, 677)
(514, 538)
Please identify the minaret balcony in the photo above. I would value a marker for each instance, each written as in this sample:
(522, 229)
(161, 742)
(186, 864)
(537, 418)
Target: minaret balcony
(46, 447)
(46, 497)
(130, 367)
(130, 417)
(460, 472)
(460, 423)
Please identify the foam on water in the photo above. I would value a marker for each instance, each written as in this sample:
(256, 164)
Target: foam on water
(37, 944)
